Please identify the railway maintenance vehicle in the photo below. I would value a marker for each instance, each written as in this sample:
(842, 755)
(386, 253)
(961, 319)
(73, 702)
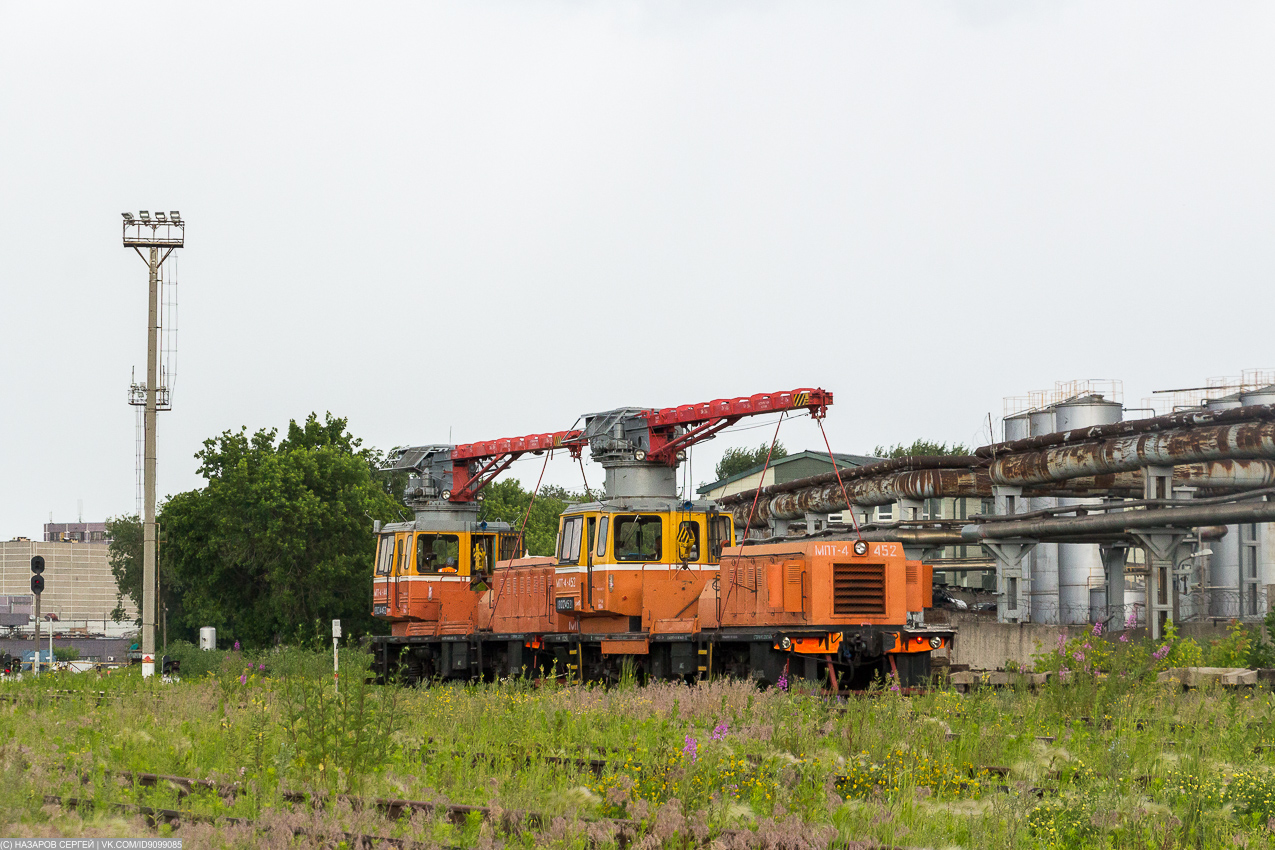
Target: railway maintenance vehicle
(640, 579)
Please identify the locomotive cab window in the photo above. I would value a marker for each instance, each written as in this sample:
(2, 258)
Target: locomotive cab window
(602, 536)
(688, 541)
(437, 553)
(719, 532)
(569, 540)
(639, 538)
(385, 556)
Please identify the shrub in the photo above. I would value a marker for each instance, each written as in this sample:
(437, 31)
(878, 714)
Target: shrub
(1233, 650)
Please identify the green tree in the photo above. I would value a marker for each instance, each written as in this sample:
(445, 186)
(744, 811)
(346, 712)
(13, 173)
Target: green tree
(735, 461)
(921, 447)
(125, 555)
(281, 535)
(506, 500)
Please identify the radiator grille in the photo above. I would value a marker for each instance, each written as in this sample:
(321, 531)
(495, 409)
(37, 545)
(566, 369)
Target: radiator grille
(858, 589)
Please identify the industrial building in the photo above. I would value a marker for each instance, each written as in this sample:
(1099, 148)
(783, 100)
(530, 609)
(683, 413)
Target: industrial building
(80, 590)
(77, 532)
(782, 469)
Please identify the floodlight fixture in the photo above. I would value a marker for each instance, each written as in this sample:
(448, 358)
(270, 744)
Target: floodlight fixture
(127, 216)
(160, 216)
(146, 216)
(174, 215)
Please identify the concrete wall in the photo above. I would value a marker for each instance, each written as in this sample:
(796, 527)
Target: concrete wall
(984, 644)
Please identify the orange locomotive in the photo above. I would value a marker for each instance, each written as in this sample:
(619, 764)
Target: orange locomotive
(643, 579)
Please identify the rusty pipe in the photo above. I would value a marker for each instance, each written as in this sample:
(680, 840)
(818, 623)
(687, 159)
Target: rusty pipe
(882, 490)
(1173, 421)
(855, 473)
(1248, 440)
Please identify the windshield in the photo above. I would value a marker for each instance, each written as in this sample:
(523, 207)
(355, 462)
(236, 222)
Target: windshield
(639, 538)
(437, 553)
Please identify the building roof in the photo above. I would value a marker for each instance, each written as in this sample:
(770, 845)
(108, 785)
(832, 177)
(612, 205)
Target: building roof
(843, 460)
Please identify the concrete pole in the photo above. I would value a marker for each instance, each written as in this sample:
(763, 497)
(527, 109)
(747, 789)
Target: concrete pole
(35, 665)
(148, 521)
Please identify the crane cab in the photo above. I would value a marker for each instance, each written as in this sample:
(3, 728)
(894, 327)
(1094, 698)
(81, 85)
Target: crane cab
(426, 572)
(637, 565)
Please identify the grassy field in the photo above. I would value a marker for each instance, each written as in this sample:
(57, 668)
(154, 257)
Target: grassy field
(1107, 760)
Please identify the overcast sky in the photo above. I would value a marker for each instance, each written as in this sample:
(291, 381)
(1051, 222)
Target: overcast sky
(485, 219)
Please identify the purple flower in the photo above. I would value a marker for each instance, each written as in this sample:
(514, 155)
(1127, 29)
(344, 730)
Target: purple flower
(1132, 619)
(261, 666)
(1079, 656)
(1124, 638)
(1087, 646)
(691, 749)
(782, 682)
(1062, 644)
(236, 646)
(1159, 654)
(1097, 629)
(719, 732)
(243, 679)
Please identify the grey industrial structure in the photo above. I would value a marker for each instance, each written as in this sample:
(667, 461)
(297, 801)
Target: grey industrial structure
(1092, 517)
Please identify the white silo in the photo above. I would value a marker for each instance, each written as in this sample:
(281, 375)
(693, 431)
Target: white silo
(1264, 395)
(1044, 557)
(1082, 595)
(1224, 563)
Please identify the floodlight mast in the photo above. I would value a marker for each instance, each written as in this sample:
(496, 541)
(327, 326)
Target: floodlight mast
(152, 235)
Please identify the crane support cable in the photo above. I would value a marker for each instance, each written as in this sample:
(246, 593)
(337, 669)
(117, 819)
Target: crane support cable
(527, 515)
(765, 466)
(587, 491)
(837, 469)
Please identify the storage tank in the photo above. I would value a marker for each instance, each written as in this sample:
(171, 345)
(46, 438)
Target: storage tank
(1043, 559)
(1082, 594)
(207, 638)
(1224, 563)
(1265, 395)
(1017, 427)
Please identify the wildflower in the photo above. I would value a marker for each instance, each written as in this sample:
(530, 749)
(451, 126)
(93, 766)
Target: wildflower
(261, 666)
(243, 679)
(236, 646)
(1097, 629)
(1062, 644)
(1159, 654)
(782, 682)
(1132, 619)
(719, 732)
(691, 749)
(1124, 638)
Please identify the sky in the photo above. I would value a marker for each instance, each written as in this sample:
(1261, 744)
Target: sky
(485, 219)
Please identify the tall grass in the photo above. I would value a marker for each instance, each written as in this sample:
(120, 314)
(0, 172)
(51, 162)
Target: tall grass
(1103, 760)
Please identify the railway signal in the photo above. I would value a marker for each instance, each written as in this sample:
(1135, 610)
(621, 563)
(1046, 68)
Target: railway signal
(37, 587)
